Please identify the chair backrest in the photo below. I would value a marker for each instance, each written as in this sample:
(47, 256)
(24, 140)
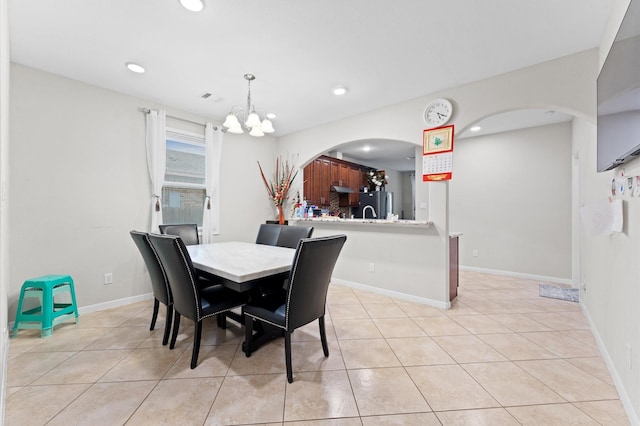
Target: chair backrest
(309, 279)
(180, 273)
(290, 235)
(187, 231)
(268, 234)
(159, 282)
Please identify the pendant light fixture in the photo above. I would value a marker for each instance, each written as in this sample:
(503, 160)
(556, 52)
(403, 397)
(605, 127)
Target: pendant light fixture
(247, 119)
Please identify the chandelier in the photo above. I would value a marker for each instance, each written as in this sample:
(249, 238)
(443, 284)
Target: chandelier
(248, 118)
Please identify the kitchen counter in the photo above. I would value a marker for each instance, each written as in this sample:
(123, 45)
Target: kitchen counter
(374, 222)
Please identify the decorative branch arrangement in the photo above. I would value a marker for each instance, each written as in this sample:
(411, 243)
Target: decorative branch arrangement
(278, 188)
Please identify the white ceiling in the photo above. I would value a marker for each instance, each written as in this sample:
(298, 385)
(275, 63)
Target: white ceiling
(383, 51)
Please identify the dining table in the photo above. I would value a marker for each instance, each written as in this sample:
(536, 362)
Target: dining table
(243, 266)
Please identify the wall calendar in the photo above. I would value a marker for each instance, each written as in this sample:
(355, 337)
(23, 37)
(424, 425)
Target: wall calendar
(437, 154)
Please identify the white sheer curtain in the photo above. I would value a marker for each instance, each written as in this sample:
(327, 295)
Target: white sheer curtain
(156, 136)
(211, 215)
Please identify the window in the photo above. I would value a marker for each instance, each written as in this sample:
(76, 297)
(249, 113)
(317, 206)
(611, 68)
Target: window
(183, 192)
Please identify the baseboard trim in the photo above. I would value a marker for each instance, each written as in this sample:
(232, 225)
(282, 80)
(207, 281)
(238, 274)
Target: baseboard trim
(4, 356)
(395, 294)
(114, 303)
(544, 278)
(107, 305)
(624, 397)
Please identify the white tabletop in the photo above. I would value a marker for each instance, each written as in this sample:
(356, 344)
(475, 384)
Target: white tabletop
(239, 261)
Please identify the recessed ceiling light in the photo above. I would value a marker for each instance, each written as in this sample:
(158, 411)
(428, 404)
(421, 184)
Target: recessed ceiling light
(193, 5)
(272, 115)
(339, 91)
(475, 128)
(135, 67)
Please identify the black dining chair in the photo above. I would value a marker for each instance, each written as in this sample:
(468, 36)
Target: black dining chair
(187, 231)
(305, 298)
(290, 235)
(189, 299)
(268, 234)
(159, 283)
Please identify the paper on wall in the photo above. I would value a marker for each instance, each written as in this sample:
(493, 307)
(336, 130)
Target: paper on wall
(602, 217)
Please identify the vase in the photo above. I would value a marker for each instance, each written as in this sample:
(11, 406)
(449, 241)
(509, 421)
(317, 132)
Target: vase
(280, 215)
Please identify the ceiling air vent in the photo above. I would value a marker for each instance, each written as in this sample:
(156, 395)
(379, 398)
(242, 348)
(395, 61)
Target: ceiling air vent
(206, 95)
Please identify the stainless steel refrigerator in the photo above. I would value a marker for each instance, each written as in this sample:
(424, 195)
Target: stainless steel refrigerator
(380, 201)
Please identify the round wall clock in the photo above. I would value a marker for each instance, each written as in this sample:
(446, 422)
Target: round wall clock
(438, 112)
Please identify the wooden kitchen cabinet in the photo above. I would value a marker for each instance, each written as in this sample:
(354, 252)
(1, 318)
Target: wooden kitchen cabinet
(453, 268)
(317, 182)
(324, 172)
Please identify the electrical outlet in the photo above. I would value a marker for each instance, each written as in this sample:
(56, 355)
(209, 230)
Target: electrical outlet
(372, 267)
(475, 253)
(629, 356)
(108, 278)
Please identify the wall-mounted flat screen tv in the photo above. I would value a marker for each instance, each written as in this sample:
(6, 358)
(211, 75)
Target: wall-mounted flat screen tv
(619, 95)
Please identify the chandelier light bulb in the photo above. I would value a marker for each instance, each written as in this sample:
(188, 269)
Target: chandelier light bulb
(193, 5)
(256, 131)
(253, 120)
(266, 126)
(231, 122)
(236, 130)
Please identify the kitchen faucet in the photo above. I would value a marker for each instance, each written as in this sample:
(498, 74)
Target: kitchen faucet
(364, 211)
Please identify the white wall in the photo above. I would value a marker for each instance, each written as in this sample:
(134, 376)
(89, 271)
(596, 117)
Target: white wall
(511, 198)
(4, 203)
(609, 266)
(80, 184)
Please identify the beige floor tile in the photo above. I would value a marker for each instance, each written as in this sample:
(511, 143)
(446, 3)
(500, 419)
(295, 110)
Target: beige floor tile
(558, 321)
(309, 356)
(419, 351)
(319, 395)
(468, 348)
(460, 308)
(511, 385)
(143, 364)
(440, 326)
(515, 347)
(415, 310)
(604, 412)
(594, 366)
(356, 329)
(178, 402)
(370, 353)
(486, 416)
(36, 405)
(450, 387)
(91, 407)
(384, 310)
(551, 414)
(71, 339)
(268, 359)
(572, 383)
(213, 361)
(355, 311)
(421, 419)
(342, 298)
(491, 307)
(368, 297)
(27, 367)
(83, 367)
(481, 324)
(347, 421)
(386, 391)
(264, 394)
(25, 341)
(398, 327)
(311, 332)
(561, 345)
(518, 323)
(521, 306)
(121, 338)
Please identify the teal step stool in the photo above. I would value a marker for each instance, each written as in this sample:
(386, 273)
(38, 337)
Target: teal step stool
(49, 313)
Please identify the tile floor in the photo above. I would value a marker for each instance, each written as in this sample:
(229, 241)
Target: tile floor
(501, 356)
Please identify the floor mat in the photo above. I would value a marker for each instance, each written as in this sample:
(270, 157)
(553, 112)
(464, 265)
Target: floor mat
(562, 293)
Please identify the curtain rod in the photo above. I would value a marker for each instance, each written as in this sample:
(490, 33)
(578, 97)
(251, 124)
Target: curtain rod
(147, 111)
